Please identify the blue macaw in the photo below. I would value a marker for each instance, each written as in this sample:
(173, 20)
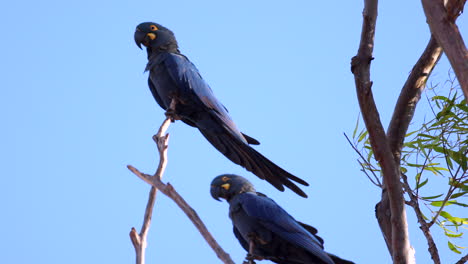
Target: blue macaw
(266, 230)
(179, 89)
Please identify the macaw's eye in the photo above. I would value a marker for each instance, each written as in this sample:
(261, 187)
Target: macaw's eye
(153, 28)
(225, 179)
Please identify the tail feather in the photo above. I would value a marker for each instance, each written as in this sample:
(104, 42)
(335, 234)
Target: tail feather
(242, 154)
(251, 140)
(339, 260)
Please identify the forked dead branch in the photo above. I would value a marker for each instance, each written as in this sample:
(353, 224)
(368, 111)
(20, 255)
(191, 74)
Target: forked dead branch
(139, 240)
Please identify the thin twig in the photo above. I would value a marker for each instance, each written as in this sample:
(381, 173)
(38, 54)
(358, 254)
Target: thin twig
(421, 172)
(444, 203)
(414, 202)
(377, 180)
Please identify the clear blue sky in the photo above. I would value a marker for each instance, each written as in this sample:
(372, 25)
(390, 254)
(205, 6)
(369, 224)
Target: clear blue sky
(76, 110)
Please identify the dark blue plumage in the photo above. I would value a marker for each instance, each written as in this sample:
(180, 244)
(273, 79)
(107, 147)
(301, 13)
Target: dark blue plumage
(275, 234)
(174, 80)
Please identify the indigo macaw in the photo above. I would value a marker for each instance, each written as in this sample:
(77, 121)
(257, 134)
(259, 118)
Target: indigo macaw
(179, 89)
(266, 230)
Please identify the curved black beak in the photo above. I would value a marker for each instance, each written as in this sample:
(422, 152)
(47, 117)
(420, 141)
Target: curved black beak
(215, 192)
(140, 37)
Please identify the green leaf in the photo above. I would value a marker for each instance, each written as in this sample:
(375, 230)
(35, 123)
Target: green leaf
(411, 133)
(426, 136)
(432, 197)
(421, 184)
(362, 136)
(440, 97)
(445, 215)
(455, 220)
(356, 128)
(418, 177)
(456, 195)
(458, 156)
(464, 161)
(403, 170)
(369, 155)
(453, 248)
(463, 107)
(459, 204)
(464, 187)
(433, 170)
(414, 165)
(453, 235)
(410, 145)
(440, 203)
(449, 163)
(459, 220)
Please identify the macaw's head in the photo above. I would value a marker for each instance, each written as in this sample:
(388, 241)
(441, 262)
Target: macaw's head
(153, 35)
(227, 186)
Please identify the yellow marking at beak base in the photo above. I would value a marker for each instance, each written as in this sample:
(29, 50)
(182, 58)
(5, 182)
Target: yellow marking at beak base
(226, 186)
(152, 36)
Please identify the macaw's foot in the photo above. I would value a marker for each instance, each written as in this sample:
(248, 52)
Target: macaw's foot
(250, 255)
(249, 259)
(170, 113)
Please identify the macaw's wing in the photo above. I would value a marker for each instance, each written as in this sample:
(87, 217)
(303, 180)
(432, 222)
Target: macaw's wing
(241, 239)
(278, 221)
(312, 230)
(189, 81)
(155, 94)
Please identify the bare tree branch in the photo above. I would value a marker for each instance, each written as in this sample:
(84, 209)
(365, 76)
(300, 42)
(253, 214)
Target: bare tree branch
(410, 95)
(360, 66)
(139, 240)
(444, 29)
(463, 260)
(402, 116)
(405, 108)
(170, 192)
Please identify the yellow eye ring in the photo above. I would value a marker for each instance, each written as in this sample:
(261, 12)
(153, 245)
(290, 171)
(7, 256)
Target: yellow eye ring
(153, 28)
(225, 179)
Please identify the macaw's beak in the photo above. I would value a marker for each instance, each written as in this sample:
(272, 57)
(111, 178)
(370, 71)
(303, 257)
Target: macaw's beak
(140, 37)
(215, 192)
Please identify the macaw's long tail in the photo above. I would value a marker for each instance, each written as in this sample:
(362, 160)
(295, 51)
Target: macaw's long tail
(339, 260)
(242, 154)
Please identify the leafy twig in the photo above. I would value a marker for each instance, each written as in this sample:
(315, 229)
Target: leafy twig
(444, 203)
(376, 182)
